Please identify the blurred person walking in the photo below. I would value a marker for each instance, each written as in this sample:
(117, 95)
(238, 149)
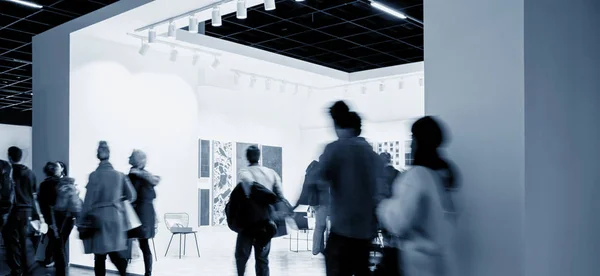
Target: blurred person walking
(420, 211)
(144, 183)
(103, 218)
(354, 172)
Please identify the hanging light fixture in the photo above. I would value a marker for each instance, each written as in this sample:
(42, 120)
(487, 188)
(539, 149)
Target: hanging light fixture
(151, 35)
(193, 24)
(421, 82)
(269, 5)
(282, 87)
(364, 89)
(242, 11)
(195, 58)
(174, 54)
(252, 81)
(296, 90)
(236, 78)
(215, 63)
(171, 32)
(381, 86)
(268, 84)
(217, 21)
(400, 85)
(144, 49)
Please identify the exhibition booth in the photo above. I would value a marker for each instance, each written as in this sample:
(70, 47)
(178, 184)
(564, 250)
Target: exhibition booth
(194, 104)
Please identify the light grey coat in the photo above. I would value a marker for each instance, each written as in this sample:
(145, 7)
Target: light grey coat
(415, 213)
(105, 191)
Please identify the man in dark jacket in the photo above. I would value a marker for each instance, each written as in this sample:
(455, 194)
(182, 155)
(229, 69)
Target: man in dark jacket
(16, 231)
(6, 191)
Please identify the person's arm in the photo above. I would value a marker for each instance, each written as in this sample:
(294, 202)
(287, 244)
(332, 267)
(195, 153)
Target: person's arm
(128, 190)
(398, 213)
(146, 175)
(327, 164)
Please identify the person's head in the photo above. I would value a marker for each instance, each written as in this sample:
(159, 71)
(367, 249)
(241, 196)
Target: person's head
(103, 153)
(15, 155)
(137, 159)
(253, 155)
(62, 168)
(347, 124)
(52, 169)
(386, 158)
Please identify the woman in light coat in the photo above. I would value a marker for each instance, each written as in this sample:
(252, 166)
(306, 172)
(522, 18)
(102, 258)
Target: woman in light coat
(106, 190)
(420, 210)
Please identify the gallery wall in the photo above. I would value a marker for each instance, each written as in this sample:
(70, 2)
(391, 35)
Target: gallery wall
(20, 136)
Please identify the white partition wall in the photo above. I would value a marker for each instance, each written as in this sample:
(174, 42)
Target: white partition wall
(19, 136)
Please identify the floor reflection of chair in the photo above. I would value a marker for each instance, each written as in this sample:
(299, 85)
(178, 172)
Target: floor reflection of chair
(301, 220)
(178, 224)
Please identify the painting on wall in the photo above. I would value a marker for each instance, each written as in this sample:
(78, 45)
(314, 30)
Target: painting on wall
(393, 148)
(241, 161)
(203, 158)
(222, 184)
(272, 157)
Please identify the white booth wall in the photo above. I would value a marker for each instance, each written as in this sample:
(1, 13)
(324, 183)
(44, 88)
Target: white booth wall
(150, 103)
(20, 136)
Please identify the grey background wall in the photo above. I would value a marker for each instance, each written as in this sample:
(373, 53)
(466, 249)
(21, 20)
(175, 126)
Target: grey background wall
(517, 83)
(562, 137)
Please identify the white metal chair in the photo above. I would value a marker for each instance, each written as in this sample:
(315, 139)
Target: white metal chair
(178, 224)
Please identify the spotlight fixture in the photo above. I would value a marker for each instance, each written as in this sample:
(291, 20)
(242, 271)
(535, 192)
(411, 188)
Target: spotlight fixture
(193, 24)
(400, 85)
(252, 81)
(144, 49)
(215, 63)
(236, 78)
(195, 59)
(364, 89)
(268, 84)
(282, 87)
(27, 4)
(151, 35)
(296, 90)
(389, 10)
(242, 11)
(299, 0)
(269, 5)
(381, 87)
(217, 21)
(421, 82)
(171, 32)
(174, 54)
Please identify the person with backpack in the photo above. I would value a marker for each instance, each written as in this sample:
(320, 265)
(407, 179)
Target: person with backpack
(144, 183)
(251, 213)
(420, 211)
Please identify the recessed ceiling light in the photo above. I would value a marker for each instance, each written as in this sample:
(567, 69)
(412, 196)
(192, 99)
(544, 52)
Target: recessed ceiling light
(388, 10)
(27, 3)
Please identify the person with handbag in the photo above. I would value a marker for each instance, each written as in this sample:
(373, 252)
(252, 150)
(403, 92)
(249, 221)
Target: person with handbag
(104, 222)
(22, 224)
(144, 183)
(262, 186)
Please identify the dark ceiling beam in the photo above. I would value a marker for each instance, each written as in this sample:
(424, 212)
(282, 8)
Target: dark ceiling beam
(27, 20)
(16, 49)
(27, 17)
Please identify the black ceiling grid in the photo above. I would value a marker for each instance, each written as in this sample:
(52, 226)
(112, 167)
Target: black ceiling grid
(348, 35)
(18, 25)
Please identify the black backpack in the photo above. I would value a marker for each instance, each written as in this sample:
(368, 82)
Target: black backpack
(7, 190)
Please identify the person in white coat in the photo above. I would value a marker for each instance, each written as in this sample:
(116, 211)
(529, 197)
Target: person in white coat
(420, 211)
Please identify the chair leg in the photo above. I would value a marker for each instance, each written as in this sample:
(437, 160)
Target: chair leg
(184, 243)
(298, 241)
(168, 246)
(290, 237)
(154, 247)
(179, 246)
(197, 248)
(307, 234)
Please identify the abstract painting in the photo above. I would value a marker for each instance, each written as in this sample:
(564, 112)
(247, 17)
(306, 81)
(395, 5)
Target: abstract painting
(222, 179)
(241, 161)
(272, 157)
(203, 158)
(393, 148)
(203, 207)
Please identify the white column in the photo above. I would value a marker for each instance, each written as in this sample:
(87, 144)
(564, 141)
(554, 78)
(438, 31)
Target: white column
(517, 83)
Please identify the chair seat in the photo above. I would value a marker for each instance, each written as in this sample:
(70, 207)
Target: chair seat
(183, 231)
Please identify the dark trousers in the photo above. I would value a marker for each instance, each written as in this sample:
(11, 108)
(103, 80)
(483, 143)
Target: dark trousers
(145, 247)
(243, 249)
(115, 258)
(58, 242)
(15, 233)
(347, 256)
(390, 263)
(321, 213)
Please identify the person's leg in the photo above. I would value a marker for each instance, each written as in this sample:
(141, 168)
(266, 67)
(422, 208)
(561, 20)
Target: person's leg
(10, 234)
(243, 249)
(100, 264)
(262, 248)
(65, 233)
(119, 262)
(337, 262)
(24, 235)
(320, 227)
(58, 246)
(360, 258)
(145, 247)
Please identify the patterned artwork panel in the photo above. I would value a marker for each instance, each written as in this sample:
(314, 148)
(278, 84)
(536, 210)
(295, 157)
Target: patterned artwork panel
(240, 158)
(394, 149)
(222, 179)
(272, 157)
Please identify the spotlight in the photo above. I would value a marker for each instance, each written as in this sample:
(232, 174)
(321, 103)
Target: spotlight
(171, 32)
(242, 12)
(299, 0)
(400, 85)
(269, 5)
(193, 24)
(296, 90)
(144, 49)
(381, 87)
(195, 59)
(252, 81)
(388, 10)
(215, 63)
(152, 35)
(216, 17)
(27, 4)
(236, 78)
(282, 87)
(174, 54)
(364, 89)
(421, 82)
(268, 84)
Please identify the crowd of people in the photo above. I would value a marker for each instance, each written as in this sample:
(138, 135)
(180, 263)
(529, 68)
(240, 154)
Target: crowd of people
(355, 194)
